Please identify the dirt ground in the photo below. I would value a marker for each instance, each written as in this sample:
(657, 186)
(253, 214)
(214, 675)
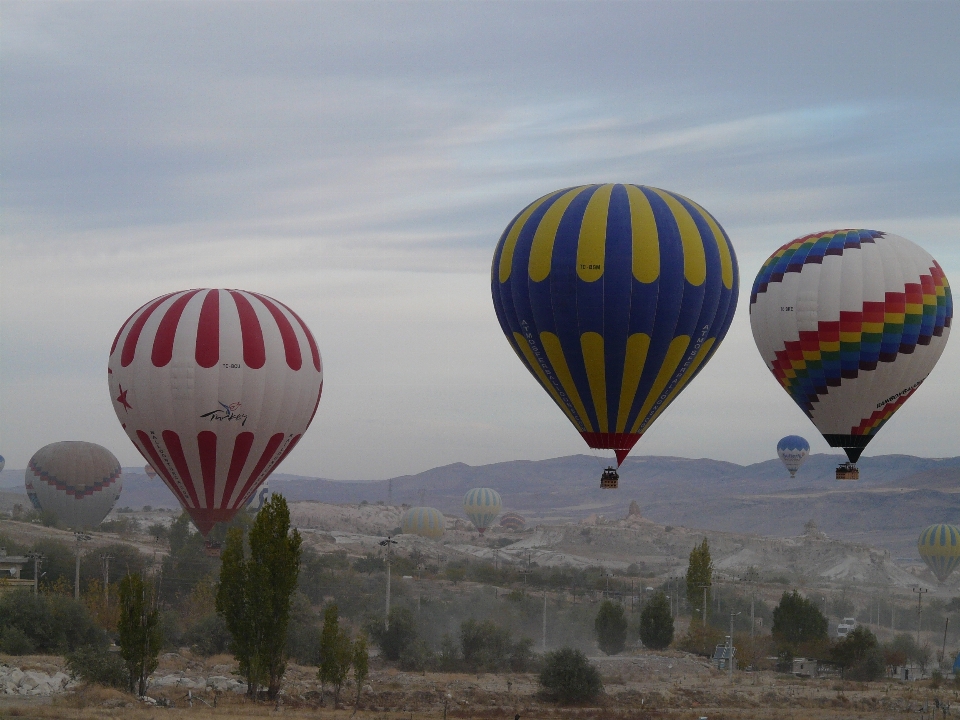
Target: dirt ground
(647, 685)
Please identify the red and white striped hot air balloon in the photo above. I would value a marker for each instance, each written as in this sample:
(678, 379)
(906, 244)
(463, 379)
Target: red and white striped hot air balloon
(215, 388)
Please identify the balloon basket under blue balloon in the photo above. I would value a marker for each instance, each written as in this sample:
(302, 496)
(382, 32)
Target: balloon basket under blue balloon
(848, 471)
(610, 479)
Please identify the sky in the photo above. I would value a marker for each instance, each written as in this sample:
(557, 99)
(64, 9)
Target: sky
(359, 161)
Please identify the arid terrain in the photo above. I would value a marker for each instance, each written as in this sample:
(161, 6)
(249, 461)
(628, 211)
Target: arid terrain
(640, 685)
(641, 553)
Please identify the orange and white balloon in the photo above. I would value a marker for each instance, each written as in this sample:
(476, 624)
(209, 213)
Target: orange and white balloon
(215, 388)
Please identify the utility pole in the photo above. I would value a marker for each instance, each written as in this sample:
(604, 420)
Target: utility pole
(387, 543)
(37, 559)
(704, 603)
(919, 592)
(943, 650)
(81, 537)
(105, 564)
(545, 620)
(730, 653)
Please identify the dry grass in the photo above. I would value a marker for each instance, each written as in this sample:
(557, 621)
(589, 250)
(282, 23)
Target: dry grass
(398, 696)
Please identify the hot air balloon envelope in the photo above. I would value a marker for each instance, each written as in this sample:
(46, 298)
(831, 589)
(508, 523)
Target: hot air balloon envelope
(150, 472)
(614, 297)
(793, 451)
(482, 505)
(79, 482)
(939, 546)
(215, 388)
(423, 521)
(850, 322)
(257, 500)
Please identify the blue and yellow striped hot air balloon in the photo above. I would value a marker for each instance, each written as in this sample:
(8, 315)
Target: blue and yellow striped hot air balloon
(614, 297)
(482, 505)
(423, 521)
(939, 546)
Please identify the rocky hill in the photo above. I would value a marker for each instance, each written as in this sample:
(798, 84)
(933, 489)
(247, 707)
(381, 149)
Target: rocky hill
(897, 496)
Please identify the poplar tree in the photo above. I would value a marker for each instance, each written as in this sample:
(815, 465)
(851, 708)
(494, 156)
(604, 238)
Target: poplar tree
(336, 653)
(255, 593)
(699, 573)
(361, 665)
(139, 631)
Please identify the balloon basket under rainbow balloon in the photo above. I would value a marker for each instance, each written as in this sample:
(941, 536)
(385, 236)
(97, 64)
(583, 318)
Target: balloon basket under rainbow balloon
(848, 471)
(610, 479)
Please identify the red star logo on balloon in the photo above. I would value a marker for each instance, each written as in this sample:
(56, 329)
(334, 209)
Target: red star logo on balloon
(123, 398)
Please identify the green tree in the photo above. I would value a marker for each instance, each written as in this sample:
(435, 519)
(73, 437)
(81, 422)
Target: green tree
(401, 635)
(568, 676)
(610, 626)
(656, 623)
(700, 573)
(336, 653)
(361, 665)
(858, 655)
(139, 632)
(255, 593)
(798, 621)
(485, 645)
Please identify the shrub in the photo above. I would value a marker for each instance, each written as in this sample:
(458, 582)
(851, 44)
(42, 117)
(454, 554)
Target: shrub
(485, 645)
(14, 641)
(50, 623)
(611, 627)
(401, 635)
(568, 676)
(656, 623)
(208, 636)
(97, 665)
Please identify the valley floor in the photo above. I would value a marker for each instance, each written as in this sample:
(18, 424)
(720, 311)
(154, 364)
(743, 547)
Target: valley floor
(645, 685)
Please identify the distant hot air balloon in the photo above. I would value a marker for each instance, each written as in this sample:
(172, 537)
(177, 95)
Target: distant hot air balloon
(939, 546)
(614, 297)
(423, 521)
(850, 322)
(482, 505)
(79, 482)
(793, 451)
(512, 521)
(215, 388)
(150, 472)
(3, 463)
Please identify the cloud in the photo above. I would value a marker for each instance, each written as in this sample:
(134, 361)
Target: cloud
(360, 160)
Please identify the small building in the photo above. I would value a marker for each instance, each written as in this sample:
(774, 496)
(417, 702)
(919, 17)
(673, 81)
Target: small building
(805, 667)
(10, 569)
(723, 655)
(908, 672)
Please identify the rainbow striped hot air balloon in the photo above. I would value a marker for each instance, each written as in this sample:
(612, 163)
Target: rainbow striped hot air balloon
(939, 546)
(614, 297)
(850, 323)
(423, 521)
(482, 505)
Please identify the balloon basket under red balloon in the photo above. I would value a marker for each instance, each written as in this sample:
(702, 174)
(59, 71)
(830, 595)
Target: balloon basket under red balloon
(212, 548)
(610, 480)
(848, 471)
